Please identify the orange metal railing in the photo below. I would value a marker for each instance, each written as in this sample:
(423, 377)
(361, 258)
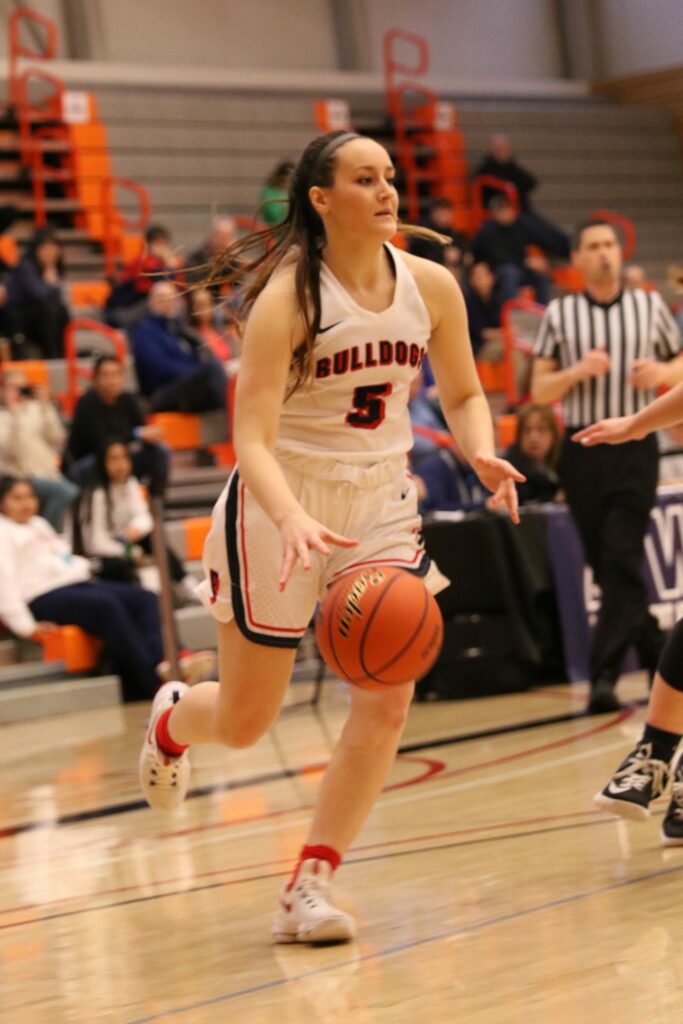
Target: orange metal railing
(482, 181)
(115, 222)
(512, 344)
(18, 18)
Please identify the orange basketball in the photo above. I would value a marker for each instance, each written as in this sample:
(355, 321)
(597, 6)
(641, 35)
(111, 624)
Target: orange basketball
(379, 627)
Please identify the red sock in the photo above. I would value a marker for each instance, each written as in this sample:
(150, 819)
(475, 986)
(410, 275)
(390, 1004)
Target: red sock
(167, 745)
(315, 853)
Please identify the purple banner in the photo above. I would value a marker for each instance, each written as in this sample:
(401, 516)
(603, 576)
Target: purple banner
(578, 597)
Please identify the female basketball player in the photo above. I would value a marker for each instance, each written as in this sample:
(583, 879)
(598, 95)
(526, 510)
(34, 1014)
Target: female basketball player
(645, 774)
(339, 323)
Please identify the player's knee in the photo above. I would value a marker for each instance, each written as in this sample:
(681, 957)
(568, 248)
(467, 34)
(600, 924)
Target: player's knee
(387, 713)
(240, 731)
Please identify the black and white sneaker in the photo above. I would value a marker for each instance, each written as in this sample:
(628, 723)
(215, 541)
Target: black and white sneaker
(164, 780)
(638, 781)
(672, 826)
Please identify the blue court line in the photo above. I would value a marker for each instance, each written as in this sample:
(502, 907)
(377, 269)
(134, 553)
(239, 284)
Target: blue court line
(404, 946)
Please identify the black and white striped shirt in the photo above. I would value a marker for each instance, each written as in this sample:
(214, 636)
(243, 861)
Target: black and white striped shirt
(636, 325)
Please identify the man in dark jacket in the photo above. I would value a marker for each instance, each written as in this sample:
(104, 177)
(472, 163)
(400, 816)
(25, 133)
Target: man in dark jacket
(502, 242)
(173, 372)
(107, 411)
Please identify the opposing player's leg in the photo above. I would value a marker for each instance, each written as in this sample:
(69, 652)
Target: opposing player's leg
(235, 711)
(645, 773)
(360, 765)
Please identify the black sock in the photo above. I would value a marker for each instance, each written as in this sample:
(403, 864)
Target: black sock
(663, 743)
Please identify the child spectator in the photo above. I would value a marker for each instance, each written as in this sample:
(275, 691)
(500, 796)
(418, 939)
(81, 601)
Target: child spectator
(274, 198)
(107, 410)
(535, 453)
(114, 525)
(31, 438)
(35, 308)
(172, 373)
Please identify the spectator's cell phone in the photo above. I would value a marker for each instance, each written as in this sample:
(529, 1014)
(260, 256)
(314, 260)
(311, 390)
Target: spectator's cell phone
(26, 390)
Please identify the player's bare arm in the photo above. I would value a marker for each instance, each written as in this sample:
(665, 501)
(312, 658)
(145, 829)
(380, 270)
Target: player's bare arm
(665, 411)
(462, 400)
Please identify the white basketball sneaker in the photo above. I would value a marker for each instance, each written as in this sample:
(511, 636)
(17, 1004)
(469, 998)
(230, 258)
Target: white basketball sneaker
(307, 913)
(164, 780)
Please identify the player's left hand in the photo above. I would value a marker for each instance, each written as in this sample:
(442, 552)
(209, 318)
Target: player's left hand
(500, 476)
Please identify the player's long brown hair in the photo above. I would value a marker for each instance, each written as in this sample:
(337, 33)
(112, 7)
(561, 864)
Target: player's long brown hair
(256, 256)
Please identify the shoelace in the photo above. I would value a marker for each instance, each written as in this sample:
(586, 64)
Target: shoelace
(313, 892)
(641, 770)
(163, 776)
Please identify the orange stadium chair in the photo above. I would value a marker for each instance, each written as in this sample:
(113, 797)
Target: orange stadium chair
(195, 530)
(35, 370)
(506, 429)
(89, 293)
(181, 430)
(77, 649)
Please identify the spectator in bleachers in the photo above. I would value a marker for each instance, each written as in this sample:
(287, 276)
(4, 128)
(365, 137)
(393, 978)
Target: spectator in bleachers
(202, 317)
(425, 419)
(35, 305)
(127, 303)
(8, 215)
(44, 585)
(175, 370)
(445, 482)
(483, 312)
(502, 242)
(274, 198)
(675, 277)
(31, 440)
(222, 235)
(500, 162)
(535, 453)
(113, 524)
(106, 410)
(635, 276)
(440, 219)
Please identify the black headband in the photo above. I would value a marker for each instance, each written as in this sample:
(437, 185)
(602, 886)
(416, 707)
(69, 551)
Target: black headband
(328, 150)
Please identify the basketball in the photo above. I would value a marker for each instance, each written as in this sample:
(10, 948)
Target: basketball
(379, 627)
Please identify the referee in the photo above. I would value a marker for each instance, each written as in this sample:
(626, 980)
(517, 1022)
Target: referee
(603, 353)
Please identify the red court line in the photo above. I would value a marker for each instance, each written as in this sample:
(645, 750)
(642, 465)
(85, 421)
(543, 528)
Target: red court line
(555, 744)
(290, 861)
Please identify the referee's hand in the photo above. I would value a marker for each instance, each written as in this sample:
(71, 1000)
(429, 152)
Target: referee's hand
(500, 476)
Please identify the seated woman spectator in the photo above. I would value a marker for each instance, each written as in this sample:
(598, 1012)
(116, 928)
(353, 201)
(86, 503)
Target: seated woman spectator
(483, 313)
(107, 410)
(127, 303)
(113, 525)
(535, 453)
(202, 317)
(43, 585)
(35, 307)
(172, 371)
(274, 198)
(31, 439)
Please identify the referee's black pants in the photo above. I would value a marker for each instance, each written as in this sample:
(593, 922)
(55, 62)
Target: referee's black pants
(611, 491)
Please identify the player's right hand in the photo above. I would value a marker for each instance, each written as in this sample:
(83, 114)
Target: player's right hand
(300, 534)
(613, 431)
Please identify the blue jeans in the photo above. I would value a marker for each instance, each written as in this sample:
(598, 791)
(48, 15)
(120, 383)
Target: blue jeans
(125, 617)
(510, 278)
(55, 497)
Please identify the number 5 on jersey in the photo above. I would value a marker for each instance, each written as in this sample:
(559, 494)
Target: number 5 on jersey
(369, 407)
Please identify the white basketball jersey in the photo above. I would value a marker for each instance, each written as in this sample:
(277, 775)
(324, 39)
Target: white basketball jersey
(355, 407)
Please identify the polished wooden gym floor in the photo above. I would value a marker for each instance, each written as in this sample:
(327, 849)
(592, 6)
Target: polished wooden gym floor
(486, 886)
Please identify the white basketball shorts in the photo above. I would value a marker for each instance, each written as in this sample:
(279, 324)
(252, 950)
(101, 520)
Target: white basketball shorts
(377, 505)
